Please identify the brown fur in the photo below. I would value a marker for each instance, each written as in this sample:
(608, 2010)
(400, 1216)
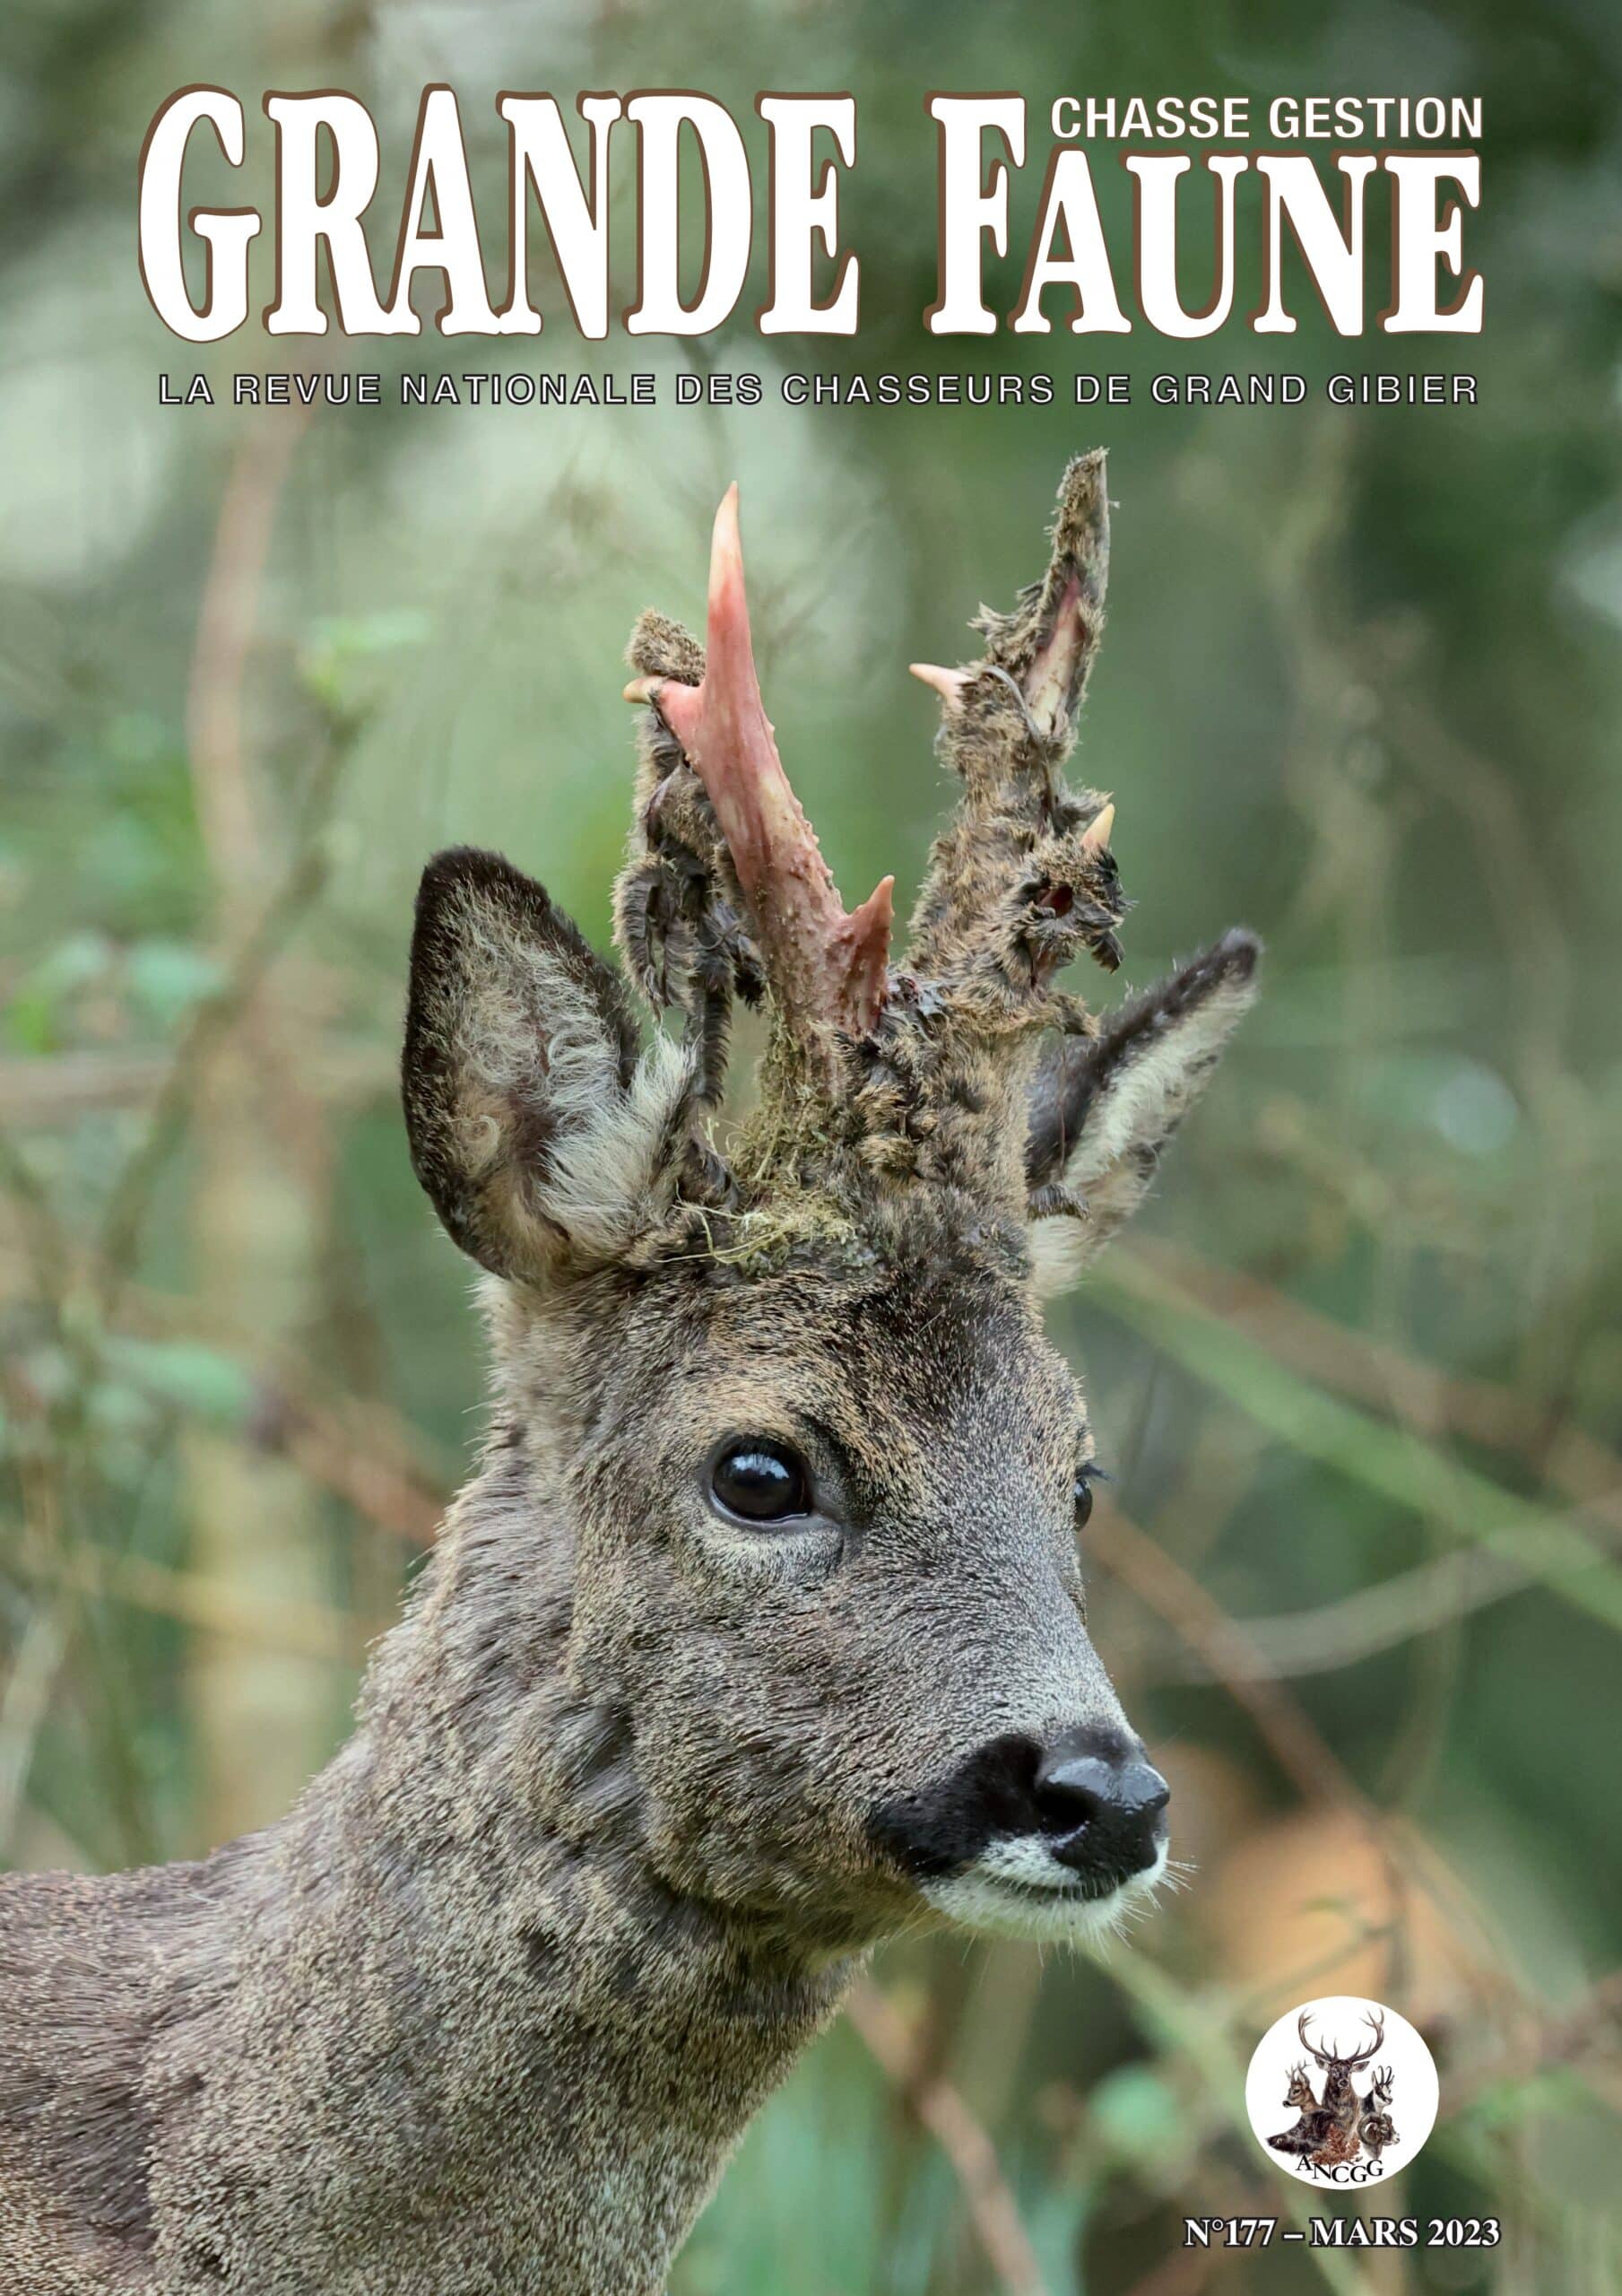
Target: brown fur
(489, 2009)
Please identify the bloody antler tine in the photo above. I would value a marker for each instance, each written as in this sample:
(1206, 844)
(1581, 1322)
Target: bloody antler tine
(948, 683)
(864, 938)
(1095, 838)
(824, 966)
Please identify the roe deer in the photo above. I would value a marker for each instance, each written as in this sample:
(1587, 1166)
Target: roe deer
(759, 1634)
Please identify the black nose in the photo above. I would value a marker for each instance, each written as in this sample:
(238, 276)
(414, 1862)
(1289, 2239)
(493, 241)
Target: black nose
(1100, 1806)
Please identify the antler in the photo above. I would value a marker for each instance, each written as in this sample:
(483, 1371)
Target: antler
(725, 890)
(826, 968)
(1310, 2046)
(1376, 2024)
(1024, 877)
(1331, 2056)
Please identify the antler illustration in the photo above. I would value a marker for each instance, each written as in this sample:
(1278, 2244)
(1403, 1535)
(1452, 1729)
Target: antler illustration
(1307, 2042)
(1376, 2024)
(1333, 2055)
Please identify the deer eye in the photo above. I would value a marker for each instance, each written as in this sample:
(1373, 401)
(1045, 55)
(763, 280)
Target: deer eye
(759, 1480)
(1085, 1478)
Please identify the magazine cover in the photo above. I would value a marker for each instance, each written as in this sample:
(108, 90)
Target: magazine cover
(810, 1471)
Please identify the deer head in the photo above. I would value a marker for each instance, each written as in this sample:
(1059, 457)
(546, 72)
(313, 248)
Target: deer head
(817, 1473)
(1334, 2059)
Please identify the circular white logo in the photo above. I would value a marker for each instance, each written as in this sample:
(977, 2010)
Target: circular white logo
(1342, 2091)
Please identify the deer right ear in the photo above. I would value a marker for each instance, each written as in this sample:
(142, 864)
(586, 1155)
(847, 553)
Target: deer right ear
(1104, 1108)
(540, 1134)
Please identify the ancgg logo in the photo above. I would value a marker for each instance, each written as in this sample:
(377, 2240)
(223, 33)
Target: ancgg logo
(1341, 2111)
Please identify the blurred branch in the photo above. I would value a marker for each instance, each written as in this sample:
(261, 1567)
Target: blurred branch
(1224, 1645)
(25, 1707)
(232, 834)
(939, 2107)
(1359, 676)
(1561, 2040)
(1396, 1464)
(36, 1216)
(1182, 2273)
(52, 1089)
(392, 1498)
(358, 1450)
(211, 1027)
(1376, 1618)
(226, 621)
(1429, 1401)
(1422, 1395)
(305, 1630)
(262, 1168)
(1537, 975)
(48, 1478)
(1299, 1747)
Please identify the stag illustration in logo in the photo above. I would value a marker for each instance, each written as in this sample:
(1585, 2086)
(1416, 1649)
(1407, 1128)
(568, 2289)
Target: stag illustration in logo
(1341, 2125)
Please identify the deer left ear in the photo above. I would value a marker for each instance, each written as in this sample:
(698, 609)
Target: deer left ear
(1104, 1108)
(544, 1137)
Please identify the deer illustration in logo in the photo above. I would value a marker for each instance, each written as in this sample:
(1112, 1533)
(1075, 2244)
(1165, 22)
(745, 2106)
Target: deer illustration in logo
(1340, 2125)
(1302, 2098)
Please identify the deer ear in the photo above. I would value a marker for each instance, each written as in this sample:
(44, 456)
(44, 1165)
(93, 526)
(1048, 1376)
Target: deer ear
(1104, 1108)
(540, 1132)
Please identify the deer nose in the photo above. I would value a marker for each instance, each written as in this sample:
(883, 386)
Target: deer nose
(1102, 1809)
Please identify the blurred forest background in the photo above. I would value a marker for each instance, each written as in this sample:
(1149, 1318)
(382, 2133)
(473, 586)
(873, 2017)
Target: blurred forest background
(1357, 1372)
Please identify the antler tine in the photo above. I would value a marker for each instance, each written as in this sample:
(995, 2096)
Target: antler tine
(1023, 876)
(826, 968)
(1376, 2023)
(1307, 2043)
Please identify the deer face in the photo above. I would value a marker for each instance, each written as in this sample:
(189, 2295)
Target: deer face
(830, 1569)
(825, 1473)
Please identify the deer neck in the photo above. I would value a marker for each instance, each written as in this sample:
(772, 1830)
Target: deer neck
(533, 2059)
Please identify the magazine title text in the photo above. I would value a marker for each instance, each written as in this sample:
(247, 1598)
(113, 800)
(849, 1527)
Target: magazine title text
(690, 210)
